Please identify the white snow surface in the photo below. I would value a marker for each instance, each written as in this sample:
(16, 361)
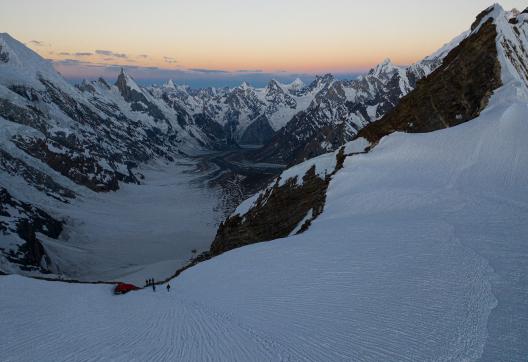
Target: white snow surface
(420, 254)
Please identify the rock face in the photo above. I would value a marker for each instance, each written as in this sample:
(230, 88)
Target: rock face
(25, 220)
(137, 99)
(454, 93)
(278, 210)
(37, 179)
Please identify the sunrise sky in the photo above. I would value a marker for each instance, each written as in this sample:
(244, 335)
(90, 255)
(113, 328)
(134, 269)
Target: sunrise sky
(224, 41)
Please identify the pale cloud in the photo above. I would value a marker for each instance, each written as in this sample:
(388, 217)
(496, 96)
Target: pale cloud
(37, 43)
(110, 53)
(170, 60)
(205, 70)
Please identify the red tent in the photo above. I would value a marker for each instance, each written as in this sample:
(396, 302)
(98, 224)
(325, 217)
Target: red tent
(122, 288)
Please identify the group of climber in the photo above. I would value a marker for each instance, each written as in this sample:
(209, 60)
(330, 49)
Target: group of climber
(151, 282)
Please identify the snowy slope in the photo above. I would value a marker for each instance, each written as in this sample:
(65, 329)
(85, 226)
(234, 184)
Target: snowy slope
(420, 254)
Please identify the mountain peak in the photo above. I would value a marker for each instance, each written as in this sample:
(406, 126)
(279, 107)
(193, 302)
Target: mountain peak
(296, 84)
(125, 83)
(326, 78)
(103, 82)
(385, 68)
(494, 11)
(169, 84)
(274, 85)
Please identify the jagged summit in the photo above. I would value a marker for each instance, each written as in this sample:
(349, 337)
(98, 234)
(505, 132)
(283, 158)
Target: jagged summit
(169, 84)
(296, 85)
(125, 83)
(244, 85)
(274, 86)
(325, 78)
(386, 69)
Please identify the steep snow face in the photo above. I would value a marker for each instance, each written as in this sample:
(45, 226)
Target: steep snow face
(512, 44)
(19, 64)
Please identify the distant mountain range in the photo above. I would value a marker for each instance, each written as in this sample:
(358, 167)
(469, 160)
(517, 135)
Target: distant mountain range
(58, 139)
(295, 121)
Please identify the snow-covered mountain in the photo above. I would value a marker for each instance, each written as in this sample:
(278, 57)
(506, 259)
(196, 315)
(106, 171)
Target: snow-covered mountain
(246, 114)
(419, 252)
(296, 121)
(61, 141)
(489, 58)
(57, 139)
(417, 225)
(341, 108)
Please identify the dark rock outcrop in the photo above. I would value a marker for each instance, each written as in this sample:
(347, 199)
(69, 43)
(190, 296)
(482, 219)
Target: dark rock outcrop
(212, 129)
(27, 220)
(273, 217)
(453, 94)
(277, 211)
(80, 168)
(4, 56)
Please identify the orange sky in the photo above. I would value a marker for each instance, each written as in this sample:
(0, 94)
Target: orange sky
(308, 36)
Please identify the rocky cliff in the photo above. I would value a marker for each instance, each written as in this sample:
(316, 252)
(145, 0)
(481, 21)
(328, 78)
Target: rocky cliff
(453, 94)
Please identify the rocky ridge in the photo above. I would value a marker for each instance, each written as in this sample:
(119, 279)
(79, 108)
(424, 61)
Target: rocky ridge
(456, 92)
